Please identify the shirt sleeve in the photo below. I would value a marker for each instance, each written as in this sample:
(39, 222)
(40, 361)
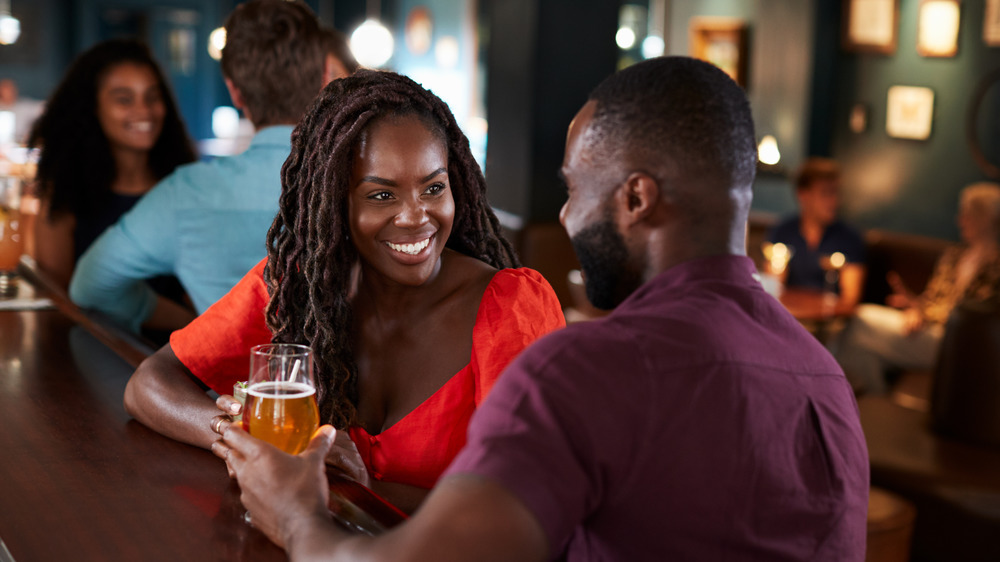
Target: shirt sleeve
(110, 276)
(518, 307)
(546, 433)
(215, 347)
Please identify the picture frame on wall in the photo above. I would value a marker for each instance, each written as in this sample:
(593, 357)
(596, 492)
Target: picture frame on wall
(991, 23)
(909, 112)
(937, 28)
(722, 42)
(870, 26)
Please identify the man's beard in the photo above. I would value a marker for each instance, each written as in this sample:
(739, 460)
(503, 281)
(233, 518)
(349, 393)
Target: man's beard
(609, 275)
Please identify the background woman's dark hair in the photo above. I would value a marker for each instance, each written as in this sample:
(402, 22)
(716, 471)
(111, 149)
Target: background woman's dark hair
(76, 168)
(310, 258)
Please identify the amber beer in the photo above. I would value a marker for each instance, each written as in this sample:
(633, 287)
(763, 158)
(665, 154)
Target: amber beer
(283, 413)
(11, 242)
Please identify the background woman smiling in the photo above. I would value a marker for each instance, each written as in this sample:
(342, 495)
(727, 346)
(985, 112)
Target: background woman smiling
(110, 131)
(385, 258)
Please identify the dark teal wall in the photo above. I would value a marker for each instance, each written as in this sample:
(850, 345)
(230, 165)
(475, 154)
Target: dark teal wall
(53, 32)
(896, 184)
(37, 59)
(910, 185)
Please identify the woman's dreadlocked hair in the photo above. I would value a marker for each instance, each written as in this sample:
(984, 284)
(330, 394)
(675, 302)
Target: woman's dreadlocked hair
(309, 255)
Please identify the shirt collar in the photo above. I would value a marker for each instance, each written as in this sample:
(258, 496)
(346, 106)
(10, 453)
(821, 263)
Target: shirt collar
(726, 268)
(275, 135)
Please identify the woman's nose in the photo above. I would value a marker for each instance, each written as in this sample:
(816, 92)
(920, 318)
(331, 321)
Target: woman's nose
(413, 214)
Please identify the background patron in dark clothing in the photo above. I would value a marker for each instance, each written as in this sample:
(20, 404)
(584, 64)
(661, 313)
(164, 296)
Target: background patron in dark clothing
(815, 234)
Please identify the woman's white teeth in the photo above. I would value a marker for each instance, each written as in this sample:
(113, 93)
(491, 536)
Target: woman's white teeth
(411, 249)
(143, 126)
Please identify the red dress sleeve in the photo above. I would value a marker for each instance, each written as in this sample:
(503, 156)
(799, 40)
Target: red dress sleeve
(519, 307)
(215, 347)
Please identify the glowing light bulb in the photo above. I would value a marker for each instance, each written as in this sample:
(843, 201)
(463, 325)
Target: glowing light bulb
(372, 44)
(837, 260)
(216, 42)
(767, 150)
(625, 38)
(10, 29)
(652, 47)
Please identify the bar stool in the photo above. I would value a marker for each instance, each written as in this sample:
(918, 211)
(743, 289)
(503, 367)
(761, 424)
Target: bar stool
(890, 527)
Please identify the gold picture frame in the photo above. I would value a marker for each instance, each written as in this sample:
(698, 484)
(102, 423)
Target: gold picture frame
(991, 24)
(937, 28)
(870, 26)
(909, 112)
(722, 42)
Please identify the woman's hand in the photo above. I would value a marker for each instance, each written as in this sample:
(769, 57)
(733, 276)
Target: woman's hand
(901, 297)
(344, 456)
(230, 407)
(913, 320)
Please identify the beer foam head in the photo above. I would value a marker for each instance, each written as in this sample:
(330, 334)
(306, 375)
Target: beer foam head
(280, 389)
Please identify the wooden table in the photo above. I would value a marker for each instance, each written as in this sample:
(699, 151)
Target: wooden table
(954, 485)
(80, 480)
(808, 305)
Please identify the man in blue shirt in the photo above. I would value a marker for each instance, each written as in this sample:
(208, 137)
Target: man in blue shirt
(815, 235)
(206, 223)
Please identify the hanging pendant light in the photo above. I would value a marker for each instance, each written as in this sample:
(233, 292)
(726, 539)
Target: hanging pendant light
(372, 43)
(10, 27)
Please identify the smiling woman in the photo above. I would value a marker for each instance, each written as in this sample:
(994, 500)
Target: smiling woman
(110, 131)
(386, 259)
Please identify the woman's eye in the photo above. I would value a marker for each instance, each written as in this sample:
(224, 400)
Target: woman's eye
(380, 196)
(435, 189)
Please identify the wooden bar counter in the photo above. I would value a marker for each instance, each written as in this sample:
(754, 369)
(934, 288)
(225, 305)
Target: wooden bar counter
(80, 480)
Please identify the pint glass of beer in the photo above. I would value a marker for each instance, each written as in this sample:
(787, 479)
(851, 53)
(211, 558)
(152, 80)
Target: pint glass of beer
(281, 396)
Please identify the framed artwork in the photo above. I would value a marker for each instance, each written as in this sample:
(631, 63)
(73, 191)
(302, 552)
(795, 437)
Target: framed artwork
(722, 42)
(910, 112)
(870, 26)
(991, 23)
(937, 28)
(419, 30)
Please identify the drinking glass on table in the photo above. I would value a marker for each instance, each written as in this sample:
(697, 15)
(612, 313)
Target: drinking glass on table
(281, 396)
(11, 235)
(280, 405)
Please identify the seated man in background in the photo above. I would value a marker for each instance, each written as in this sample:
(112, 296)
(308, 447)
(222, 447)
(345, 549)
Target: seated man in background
(697, 421)
(816, 234)
(206, 222)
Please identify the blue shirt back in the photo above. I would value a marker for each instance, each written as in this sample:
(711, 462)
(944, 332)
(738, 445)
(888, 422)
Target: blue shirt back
(206, 223)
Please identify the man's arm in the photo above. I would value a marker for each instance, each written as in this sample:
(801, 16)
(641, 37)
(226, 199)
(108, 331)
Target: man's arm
(464, 518)
(110, 276)
(163, 395)
(852, 280)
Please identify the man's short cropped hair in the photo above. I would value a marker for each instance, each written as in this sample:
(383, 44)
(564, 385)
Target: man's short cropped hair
(275, 56)
(679, 114)
(816, 169)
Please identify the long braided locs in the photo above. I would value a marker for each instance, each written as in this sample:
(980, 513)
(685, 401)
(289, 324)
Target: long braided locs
(310, 256)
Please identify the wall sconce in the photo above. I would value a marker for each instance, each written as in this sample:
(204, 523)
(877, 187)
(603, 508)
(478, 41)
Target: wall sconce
(767, 151)
(216, 42)
(768, 155)
(10, 27)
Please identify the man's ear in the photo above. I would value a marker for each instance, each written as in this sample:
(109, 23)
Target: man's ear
(333, 69)
(235, 95)
(638, 197)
